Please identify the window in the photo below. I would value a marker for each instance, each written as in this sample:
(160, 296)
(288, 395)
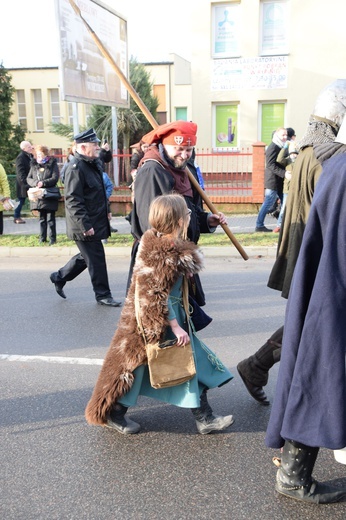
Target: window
(55, 105)
(226, 126)
(38, 110)
(160, 92)
(21, 109)
(272, 117)
(181, 113)
(274, 27)
(225, 28)
(57, 152)
(70, 113)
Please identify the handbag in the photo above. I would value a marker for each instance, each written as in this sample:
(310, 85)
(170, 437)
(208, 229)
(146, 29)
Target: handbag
(168, 364)
(51, 193)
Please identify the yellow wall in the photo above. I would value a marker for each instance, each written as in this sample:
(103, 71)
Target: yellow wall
(44, 79)
(172, 80)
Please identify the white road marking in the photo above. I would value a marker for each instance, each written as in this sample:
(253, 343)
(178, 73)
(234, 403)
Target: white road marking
(52, 359)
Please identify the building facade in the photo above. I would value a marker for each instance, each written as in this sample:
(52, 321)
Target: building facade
(37, 100)
(256, 65)
(37, 103)
(260, 64)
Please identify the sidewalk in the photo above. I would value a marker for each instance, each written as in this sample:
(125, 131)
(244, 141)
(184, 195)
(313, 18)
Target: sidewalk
(237, 223)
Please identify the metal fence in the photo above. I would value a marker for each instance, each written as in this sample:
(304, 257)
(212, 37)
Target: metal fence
(229, 175)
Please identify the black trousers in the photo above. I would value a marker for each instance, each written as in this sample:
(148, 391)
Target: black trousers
(91, 257)
(1, 222)
(47, 218)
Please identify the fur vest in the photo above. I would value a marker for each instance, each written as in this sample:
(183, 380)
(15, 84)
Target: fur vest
(159, 263)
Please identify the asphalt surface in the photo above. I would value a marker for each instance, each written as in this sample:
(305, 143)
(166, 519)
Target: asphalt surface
(54, 466)
(237, 223)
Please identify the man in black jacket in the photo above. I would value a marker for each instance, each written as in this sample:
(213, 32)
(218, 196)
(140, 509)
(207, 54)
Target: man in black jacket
(22, 169)
(163, 170)
(273, 177)
(87, 219)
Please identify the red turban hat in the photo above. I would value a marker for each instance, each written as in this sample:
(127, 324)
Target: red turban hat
(178, 133)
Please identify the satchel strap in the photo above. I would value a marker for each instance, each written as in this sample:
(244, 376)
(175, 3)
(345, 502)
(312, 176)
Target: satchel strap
(186, 304)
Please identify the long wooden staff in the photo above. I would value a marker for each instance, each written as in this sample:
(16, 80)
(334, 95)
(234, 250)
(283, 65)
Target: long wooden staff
(154, 124)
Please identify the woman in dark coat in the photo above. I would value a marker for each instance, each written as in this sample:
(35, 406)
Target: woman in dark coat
(44, 173)
(309, 409)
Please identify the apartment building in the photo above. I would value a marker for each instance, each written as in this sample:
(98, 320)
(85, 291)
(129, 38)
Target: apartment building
(260, 64)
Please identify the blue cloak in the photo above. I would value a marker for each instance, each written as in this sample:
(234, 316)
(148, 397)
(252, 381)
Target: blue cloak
(310, 400)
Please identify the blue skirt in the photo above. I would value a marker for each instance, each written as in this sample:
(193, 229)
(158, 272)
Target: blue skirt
(210, 371)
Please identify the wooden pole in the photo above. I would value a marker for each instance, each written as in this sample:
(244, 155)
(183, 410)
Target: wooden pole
(154, 124)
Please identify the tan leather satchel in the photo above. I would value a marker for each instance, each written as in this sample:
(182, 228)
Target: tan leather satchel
(168, 363)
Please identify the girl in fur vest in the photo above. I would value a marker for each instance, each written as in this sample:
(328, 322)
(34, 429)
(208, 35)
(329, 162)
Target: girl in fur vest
(164, 258)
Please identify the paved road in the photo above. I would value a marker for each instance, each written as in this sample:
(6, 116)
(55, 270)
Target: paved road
(237, 223)
(56, 467)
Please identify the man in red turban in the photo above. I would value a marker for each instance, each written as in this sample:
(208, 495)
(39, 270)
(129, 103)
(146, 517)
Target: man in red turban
(178, 133)
(163, 170)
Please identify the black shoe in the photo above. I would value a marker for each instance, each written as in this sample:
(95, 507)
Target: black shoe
(113, 230)
(256, 392)
(52, 242)
(120, 423)
(262, 229)
(58, 286)
(110, 302)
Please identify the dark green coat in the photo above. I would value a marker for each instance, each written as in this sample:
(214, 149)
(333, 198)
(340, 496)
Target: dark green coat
(306, 172)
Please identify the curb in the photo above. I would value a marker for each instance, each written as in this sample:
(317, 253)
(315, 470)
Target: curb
(125, 252)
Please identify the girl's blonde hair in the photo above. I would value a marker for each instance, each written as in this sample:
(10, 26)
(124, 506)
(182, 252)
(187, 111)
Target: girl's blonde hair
(165, 212)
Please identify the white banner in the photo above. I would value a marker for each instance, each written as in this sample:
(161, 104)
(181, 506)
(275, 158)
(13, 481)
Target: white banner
(249, 73)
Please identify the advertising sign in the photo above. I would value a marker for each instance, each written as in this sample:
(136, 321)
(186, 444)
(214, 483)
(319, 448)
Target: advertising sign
(86, 76)
(226, 126)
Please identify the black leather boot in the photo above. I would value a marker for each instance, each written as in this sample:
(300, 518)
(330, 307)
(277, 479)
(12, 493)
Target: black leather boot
(254, 370)
(206, 421)
(119, 422)
(294, 477)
